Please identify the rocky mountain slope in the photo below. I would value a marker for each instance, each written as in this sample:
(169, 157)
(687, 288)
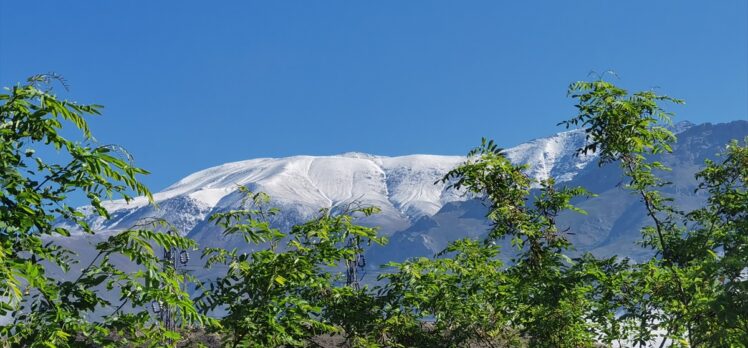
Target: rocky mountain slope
(419, 216)
(615, 217)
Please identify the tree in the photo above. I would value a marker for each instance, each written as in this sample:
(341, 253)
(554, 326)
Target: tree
(716, 248)
(471, 297)
(548, 300)
(691, 293)
(693, 289)
(34, 191)
(458, 298)
(279, 296)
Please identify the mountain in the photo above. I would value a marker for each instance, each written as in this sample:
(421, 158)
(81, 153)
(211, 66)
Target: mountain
(615, 216)
(404, 187)
(418, 213)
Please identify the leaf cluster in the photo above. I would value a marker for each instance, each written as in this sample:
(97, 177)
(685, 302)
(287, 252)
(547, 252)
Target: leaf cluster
(48, 310)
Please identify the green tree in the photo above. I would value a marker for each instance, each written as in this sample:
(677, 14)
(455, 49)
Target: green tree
(470, 297)
(278, 296)
(549, 298)
(716, 249)
(50, 312)
(628, 129)
(692, 292)
(457, 299)
(692, 289)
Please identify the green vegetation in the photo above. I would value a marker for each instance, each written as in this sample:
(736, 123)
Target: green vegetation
(276, 296)
(289, 292)
(48, 311)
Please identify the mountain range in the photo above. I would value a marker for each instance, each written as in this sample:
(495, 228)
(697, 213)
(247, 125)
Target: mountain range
(419, 214)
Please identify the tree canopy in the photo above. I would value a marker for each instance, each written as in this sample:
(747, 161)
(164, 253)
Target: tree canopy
(298, 285)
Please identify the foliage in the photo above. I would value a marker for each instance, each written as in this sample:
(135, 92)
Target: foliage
(284, 288)
(626, 129)
(717, 251)
(548, 297)
(276, 296)
(693, 289)
(455, 299)
(691, 293)
(47, 311)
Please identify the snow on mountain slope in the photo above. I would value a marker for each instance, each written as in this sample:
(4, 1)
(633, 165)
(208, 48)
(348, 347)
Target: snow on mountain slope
(411, 182)
(403, 187)
(552, 156)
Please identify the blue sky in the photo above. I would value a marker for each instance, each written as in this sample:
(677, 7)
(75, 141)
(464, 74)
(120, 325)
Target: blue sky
(191, 84)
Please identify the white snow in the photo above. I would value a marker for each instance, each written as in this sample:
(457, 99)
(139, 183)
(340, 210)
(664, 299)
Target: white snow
(210, 196)
(403, 185)
(553, 156)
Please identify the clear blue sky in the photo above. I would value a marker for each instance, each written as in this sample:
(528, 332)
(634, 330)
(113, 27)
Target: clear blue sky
(191, 84)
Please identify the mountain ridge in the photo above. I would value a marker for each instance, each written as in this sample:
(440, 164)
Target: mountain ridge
(402, 186)
(615, 216)
(419, 216)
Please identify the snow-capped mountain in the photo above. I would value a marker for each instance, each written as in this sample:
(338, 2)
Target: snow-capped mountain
(419, 214)
(405, 187)
(615, 216)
